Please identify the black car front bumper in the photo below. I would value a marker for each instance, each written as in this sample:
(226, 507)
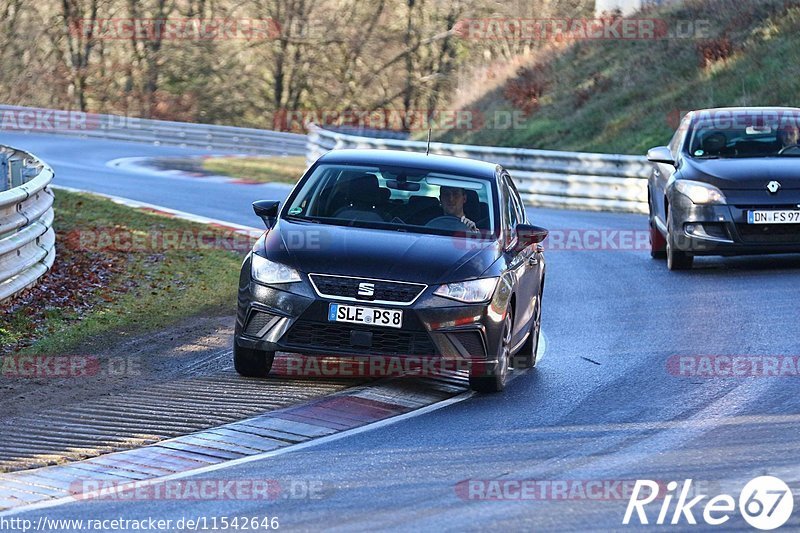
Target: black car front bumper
(294, 318)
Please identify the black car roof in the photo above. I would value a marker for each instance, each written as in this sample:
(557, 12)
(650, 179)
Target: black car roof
(436, 163)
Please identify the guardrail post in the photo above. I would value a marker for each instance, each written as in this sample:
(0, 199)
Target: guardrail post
(5, 177)
(17, 177)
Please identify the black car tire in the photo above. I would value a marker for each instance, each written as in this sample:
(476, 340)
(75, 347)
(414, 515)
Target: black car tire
(252, 363)
(492, 378)
(676, 259)
(526, 356)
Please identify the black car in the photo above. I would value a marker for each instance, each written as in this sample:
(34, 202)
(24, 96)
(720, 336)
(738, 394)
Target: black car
(395, 254)
(727, 184)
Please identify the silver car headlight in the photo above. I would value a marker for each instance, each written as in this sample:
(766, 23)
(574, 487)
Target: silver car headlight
(468, 292)
(700, 193)
(270, 272)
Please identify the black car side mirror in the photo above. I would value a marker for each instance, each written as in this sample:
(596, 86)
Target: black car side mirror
(660, 154)
(267, 210)
(528, 234)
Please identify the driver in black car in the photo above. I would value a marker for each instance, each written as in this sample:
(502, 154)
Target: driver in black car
(453, 200)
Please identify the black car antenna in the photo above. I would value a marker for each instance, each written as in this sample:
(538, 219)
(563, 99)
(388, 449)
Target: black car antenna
(428, 149)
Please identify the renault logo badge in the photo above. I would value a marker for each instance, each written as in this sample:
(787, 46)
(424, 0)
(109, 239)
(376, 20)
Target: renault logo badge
(773, 186)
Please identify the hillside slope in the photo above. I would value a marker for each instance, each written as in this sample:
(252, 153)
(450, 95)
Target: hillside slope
(624, 97)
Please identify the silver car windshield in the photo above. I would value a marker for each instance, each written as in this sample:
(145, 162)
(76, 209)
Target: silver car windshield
(744, 136)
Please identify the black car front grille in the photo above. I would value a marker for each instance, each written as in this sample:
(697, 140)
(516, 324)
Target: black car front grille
(384, 291)
(317, 336)
(769, 233)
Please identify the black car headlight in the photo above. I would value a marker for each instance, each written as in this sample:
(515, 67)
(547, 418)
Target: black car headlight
(700, 193)
(468, 292)
(270, 272)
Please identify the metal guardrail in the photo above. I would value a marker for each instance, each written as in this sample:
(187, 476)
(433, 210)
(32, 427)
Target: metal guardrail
(601, 182)
(545, 178)
(158, 132)
(27, 239)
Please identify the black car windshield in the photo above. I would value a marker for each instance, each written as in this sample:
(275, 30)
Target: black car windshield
(744, 136)
(396, 198)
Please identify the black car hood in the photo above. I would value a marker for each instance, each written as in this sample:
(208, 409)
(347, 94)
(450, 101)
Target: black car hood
(751, 174)
(380, 254)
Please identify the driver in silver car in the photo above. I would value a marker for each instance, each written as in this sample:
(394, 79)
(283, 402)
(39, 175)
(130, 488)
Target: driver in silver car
(453, 200)
(788, 136)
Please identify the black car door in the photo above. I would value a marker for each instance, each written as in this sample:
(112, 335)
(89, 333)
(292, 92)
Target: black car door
(524, 262)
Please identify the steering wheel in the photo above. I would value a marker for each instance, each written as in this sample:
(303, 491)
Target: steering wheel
(785, 149)
(447, 222)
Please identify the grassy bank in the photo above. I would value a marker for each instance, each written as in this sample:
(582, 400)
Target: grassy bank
(287, 169)
(119, 272)
(626, 96)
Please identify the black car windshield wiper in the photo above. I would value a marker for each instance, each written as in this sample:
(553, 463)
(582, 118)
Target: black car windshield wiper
(298, 218)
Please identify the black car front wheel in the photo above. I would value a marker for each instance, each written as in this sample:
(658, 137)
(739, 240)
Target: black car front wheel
(252, 363)
(526, 356)
(492, 377)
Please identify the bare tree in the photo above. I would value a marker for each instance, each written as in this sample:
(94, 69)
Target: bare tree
(147, 48)
(337, 55)
(10, 11)
(79, 21)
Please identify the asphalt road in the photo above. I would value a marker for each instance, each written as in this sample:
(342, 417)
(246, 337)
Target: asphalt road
(607, 403)
(85, 164)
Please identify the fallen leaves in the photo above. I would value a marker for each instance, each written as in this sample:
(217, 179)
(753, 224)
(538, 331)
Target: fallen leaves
(75, 284)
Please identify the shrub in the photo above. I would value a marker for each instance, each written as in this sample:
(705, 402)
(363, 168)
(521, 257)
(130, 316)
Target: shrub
(711, 51)
(526, 90)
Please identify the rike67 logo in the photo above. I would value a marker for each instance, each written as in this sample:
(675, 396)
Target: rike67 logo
(765, 503)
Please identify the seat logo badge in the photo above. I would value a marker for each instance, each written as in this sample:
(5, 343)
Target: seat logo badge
(366, 289)
(773, 186)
